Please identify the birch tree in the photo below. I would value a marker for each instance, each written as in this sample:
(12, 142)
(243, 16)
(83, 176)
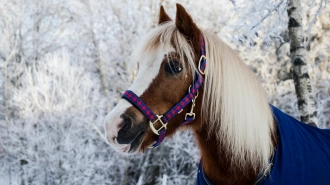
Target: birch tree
(306, 103)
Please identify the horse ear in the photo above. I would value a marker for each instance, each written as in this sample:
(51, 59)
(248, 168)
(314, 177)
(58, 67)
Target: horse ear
(184, 23)
(163, 17)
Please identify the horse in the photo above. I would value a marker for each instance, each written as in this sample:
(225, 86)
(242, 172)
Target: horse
(189, 78)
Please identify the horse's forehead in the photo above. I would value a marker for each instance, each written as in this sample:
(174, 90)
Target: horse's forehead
(149, 68)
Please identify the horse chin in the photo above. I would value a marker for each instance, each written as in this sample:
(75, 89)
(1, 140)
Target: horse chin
(124, 150)
(128, 150)
(131, 148)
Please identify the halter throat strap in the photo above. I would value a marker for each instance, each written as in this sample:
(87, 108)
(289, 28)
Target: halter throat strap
(190, 97)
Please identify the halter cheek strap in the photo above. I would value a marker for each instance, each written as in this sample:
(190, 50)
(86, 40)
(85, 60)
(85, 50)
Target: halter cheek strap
(176, 109)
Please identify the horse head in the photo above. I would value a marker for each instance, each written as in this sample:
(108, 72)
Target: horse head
(154, 106)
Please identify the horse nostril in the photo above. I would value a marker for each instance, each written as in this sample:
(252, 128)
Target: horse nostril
(124, 132)
(127, 122)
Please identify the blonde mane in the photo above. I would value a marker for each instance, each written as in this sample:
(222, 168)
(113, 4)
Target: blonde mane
(235, 106)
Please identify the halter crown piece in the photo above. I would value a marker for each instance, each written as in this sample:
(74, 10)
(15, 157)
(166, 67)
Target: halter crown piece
(176, 109)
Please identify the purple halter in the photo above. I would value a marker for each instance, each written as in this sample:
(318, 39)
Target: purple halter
(176, 109)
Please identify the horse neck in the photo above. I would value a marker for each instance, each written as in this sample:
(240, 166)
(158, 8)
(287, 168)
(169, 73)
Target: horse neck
(216, 163)
(215, 158)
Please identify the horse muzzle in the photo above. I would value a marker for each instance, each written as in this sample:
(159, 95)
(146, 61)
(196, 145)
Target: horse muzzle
(124, 129)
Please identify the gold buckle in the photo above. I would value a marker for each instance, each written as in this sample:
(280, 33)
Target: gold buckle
(199, 64)
(159, 118)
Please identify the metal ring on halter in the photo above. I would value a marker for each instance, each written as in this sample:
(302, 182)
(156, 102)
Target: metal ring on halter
(190, 91)
(159, 118)
(199, 65)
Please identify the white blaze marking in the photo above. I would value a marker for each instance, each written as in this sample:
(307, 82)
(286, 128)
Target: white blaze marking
(148, 70)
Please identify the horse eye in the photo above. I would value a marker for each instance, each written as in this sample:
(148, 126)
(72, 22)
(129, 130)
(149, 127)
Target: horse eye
(173, 67)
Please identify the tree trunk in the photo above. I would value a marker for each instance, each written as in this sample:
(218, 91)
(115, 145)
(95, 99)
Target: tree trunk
(306, 103)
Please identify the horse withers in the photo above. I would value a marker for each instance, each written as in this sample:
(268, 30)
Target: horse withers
(189, 78)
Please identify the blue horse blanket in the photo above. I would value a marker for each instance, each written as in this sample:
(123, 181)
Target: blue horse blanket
(302, 154)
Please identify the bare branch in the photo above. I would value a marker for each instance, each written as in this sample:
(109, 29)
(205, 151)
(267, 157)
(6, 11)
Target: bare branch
(270, 11)
(319, 10)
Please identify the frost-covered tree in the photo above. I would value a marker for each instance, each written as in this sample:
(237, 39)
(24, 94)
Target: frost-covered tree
(64, 65)
(299, 71)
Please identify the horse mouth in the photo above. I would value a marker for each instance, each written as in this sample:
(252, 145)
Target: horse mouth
(136, 143)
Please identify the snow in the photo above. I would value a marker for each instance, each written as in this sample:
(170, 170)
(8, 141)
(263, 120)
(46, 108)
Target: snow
(64, 65)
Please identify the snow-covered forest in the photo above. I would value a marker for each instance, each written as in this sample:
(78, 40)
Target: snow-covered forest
(63, 67)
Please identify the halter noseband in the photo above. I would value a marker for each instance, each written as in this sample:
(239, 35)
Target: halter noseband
(176, 109)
